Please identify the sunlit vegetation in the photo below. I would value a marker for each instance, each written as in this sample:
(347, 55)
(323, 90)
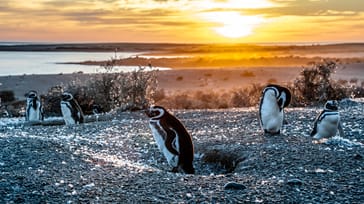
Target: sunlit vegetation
(108, 91)
(313, 86)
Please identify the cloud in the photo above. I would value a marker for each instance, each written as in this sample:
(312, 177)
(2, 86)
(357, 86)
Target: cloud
(315, 7)
(168, 17)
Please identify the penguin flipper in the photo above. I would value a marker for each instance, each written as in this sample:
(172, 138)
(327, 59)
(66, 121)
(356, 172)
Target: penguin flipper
(314, 131)
(317, 120)
(77, 111)
(171, 138)
(280, 104)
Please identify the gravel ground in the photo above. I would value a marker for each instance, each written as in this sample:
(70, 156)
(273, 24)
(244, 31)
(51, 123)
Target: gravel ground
(118, 162)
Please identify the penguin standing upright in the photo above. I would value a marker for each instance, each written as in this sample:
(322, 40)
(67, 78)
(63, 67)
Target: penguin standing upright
(172, 139)
(327, 122)
(71, 111)
(271, 114)
(34, 109)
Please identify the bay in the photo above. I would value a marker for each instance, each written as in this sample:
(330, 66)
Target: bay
(26, 62)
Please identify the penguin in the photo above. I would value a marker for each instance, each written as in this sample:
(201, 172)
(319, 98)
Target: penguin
(327, 122)
(71, 110)
(271, 109)
(34, 108)
(172, 139)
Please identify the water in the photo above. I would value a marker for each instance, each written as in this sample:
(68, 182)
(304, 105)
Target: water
(19, 63)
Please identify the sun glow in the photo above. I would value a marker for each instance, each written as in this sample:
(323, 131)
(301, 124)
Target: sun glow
(233, 24)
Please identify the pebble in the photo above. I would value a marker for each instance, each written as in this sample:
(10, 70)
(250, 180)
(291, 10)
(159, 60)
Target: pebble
(294, 182)
(358, 156)
(234, 186)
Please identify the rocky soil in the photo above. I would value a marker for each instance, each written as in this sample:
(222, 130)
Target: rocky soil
(118, 162)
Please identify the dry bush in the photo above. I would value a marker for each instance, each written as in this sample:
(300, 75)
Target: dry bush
(126, 91)
(179, 78)
(247, 97)
(51, 101)
(247, 74)
(6, 96)
(208, 75)
(108, 90)
(272, 81)
(158, 95)
(354, 80)
(314, 85)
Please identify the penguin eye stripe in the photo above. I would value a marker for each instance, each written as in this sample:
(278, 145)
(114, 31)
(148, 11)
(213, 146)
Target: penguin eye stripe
(161, 112)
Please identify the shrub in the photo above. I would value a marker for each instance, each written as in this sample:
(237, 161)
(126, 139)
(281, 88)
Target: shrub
(107, 90)
(127, 91)
(354, 81)
(52, 101)
(272, 81)
(179, 78)
(246, 97)
(238, 99)
(247, 74)
(158, 95)
(314, 84)
(7, 96)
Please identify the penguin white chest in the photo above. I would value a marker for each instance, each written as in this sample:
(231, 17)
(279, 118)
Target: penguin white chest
(67, 113)
(271, 115)
(327, 127)
(33, 114)
(160, 135)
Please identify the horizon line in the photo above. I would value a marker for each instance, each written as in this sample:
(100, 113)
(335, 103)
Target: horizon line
(15, 43)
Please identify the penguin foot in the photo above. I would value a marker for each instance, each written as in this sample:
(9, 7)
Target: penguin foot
(183, 170)
(267, 133)
(174, 170)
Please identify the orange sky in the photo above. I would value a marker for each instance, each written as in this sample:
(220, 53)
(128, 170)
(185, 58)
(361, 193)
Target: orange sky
(182, 21)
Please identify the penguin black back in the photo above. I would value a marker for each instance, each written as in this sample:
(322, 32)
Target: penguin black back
(74, 107)
(174, 129)
(283, 95)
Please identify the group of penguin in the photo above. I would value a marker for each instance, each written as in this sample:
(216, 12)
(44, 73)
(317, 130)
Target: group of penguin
(71, 110)
(172, 137)
(176, 143)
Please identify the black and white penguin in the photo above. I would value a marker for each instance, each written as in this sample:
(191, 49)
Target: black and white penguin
(271, 114)
(71, 110)
(34, 109)
(327, 122)
(172, 139)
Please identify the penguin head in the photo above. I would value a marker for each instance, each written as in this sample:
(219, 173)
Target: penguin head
(282, 94)
(271, 90)
(331, 105)
(66, 96)
(31, 94)
(155, 112)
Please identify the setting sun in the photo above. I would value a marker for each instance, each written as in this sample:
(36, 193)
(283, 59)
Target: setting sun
(233, 24)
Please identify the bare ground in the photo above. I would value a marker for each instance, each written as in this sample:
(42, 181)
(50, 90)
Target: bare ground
(118, 162)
